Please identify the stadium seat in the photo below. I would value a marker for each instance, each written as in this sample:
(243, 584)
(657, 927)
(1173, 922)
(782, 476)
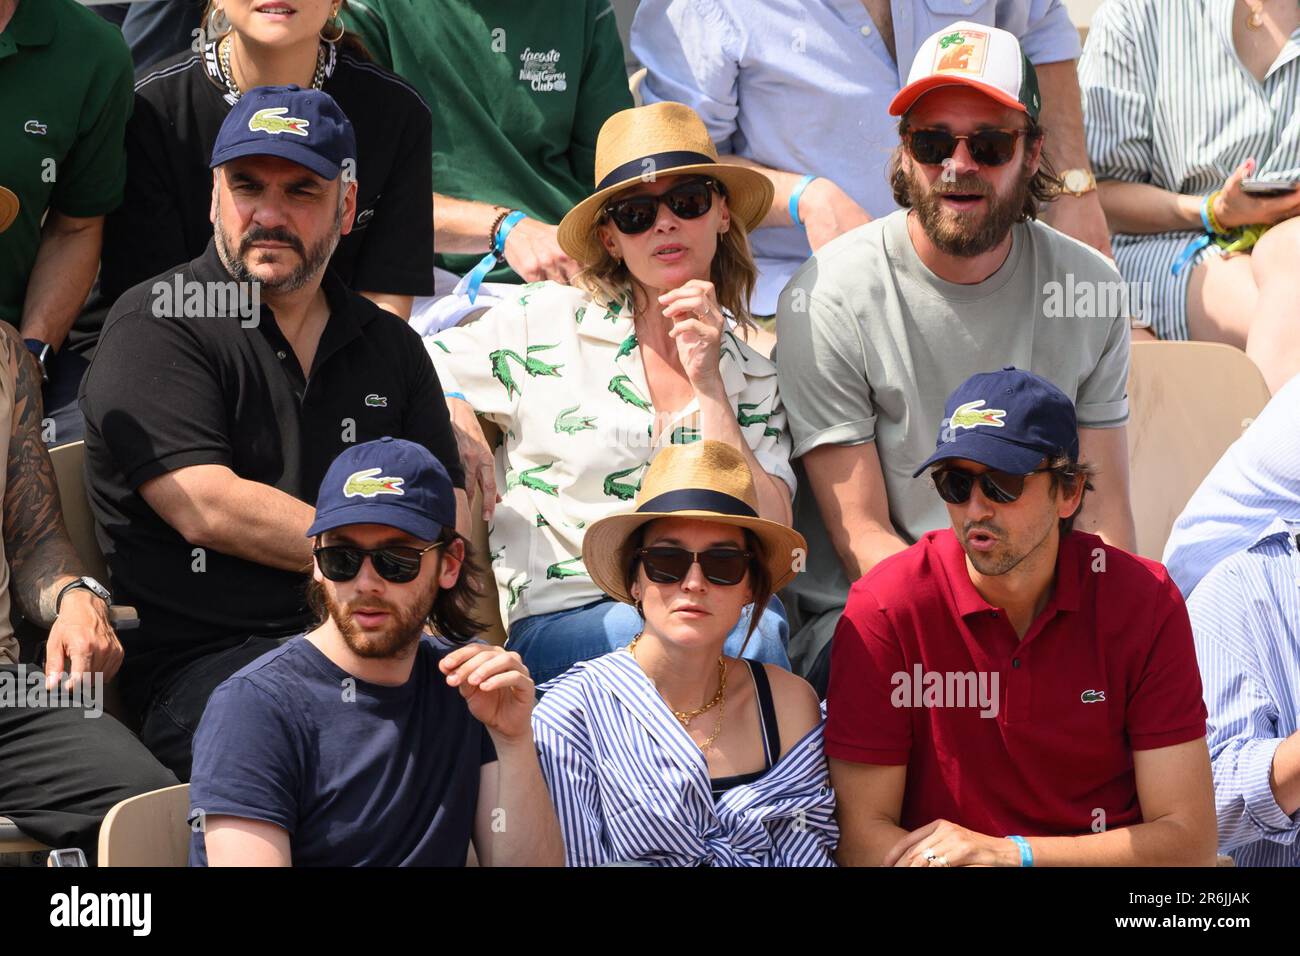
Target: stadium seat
(69, 472)
(148, 830)
(488, 608)
(634, 82)
(1188, 401)
(70, 475)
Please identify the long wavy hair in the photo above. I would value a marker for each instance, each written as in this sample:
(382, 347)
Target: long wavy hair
(732, 272)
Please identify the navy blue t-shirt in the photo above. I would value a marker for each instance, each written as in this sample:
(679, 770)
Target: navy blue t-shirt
(359, 774)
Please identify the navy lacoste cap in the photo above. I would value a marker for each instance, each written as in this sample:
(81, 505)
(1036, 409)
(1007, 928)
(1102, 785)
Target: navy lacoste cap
(303, 126)
(1009, 420)
(390, 482)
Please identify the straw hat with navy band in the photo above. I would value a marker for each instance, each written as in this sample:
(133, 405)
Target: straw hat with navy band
(664, 139)
(706, 480)
(9, 207)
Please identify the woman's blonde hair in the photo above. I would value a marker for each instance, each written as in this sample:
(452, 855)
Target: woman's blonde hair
(733, 274)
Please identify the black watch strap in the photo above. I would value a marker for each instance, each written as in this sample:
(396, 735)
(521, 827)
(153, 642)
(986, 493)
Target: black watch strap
(89, 584)
(42, 351)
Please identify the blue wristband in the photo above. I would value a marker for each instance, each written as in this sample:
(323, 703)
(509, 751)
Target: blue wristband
(1026, 853)
(460, 395)
(794, 199)
(489, 261)
(1205, 215)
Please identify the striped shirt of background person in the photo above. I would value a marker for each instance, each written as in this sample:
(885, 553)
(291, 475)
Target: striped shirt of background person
(1256, 481)
(630, 785)
(1246, 620)
(1167, 101)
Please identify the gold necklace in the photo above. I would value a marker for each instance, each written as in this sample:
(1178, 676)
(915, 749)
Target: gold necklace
(1256, 18)
(685, 717)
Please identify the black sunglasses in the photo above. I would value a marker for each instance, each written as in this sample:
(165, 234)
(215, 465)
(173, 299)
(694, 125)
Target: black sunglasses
(665, 564)
(988, 147)
(398, 565)
(688, 200)
(954, 484)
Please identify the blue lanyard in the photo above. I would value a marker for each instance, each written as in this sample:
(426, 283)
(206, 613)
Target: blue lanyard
(489, 261)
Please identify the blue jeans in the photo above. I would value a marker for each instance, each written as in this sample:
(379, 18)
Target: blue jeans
(552, 643)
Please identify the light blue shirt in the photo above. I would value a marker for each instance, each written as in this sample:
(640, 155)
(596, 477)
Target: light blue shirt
(805, 85)
(1256, 481)
(1246, 620)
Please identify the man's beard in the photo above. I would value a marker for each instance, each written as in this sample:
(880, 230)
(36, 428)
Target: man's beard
(963, 234)
(402, 632)
(310, 261)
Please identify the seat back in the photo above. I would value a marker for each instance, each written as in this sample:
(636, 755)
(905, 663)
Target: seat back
(69, 473)
(488, 607)
(148, 830)
(1188, 401)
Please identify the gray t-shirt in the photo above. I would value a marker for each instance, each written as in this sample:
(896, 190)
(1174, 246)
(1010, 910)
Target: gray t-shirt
(872, 343)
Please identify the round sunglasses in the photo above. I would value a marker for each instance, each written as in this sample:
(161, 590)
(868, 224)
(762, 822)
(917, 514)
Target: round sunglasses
(397, 565)
(689, 200)
(665, 564)
(988, 147)
(955, 484)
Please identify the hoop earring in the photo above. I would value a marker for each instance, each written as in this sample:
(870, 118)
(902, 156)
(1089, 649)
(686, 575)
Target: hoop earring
(213, 29)
(337, 19)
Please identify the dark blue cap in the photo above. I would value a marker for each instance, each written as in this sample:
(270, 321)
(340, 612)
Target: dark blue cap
(390, 481)
(303, 126)
(1009, 420)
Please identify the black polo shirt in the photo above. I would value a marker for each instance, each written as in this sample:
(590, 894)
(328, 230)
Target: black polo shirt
(166, 393)
(179, 107)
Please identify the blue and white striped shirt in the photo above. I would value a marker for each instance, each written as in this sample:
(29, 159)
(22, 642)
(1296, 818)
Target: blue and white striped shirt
(1167, 101)
(1246, 619)
(629, 784)
(1256, 481)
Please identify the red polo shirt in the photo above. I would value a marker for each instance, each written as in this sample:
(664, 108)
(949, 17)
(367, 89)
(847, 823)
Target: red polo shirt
(1107, 668)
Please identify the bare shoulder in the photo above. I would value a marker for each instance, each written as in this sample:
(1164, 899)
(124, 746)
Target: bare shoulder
(797, 708)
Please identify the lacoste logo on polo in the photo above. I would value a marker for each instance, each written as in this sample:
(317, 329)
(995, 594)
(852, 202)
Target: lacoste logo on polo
(271, 120)
(962, 51)
(972, 415)
(35, 127)
(377, 401)
(1093, 697)
(364, 484)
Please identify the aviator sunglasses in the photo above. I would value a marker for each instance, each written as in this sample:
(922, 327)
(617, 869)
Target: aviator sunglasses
(688, 200)
(954, 485)
(665, 564)
(988, 147)
(397, 565)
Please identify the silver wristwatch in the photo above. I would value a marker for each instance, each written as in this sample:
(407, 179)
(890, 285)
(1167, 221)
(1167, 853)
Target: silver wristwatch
(87, 582)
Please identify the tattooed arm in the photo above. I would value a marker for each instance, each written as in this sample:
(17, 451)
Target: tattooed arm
(40, 554)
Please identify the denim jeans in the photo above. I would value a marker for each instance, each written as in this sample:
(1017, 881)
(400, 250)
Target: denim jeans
(552, 643)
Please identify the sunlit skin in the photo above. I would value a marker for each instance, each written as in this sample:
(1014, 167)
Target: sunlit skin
(673, 251)
(301, 23)
(293, 210)
(961, 110)
(692, 614)
(382, 614)
(1011, 548)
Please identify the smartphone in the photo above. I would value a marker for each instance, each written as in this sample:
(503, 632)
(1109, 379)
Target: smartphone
(73, 857)
(1268, 187)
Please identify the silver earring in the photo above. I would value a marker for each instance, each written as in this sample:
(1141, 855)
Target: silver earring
(217, 28)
